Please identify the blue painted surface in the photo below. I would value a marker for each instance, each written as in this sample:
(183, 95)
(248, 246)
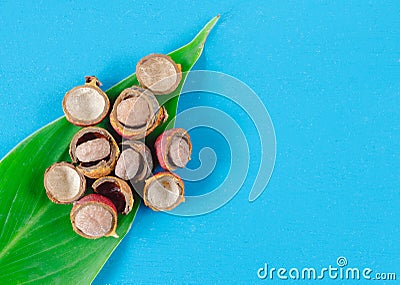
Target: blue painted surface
(328, 74)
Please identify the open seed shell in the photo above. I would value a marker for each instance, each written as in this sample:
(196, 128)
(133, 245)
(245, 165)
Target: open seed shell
(163, 191)
(94, 216)
(117, 190)
(135, 162)
(158, 73)
(173, 149)
(94, 151)
(136, 113)
(86, 105)
(64, 184)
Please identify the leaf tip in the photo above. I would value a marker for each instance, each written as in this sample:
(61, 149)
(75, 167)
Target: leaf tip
(214, 20)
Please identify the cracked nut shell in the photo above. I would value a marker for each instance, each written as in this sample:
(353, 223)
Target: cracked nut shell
(135, 162)
(117, 190)
(86, 105)
(64, 184)
(173, 149)
(163, 191)
(94, 216)
(158, 73)
(94, 151)
(136, 113)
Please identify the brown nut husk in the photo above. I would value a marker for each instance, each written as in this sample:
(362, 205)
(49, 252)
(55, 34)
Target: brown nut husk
(173, 149)
(64, 184)
(163, 191)
(94, 151)
(86, 105)
(158, 73)
(117, 190)
(94, 216)
(136, 113)
(135, 162)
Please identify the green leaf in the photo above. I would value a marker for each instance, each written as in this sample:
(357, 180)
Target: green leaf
(37, 243)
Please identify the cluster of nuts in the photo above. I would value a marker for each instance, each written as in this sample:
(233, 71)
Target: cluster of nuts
(100, 162)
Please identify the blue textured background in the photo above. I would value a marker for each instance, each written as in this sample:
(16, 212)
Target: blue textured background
(329, 74)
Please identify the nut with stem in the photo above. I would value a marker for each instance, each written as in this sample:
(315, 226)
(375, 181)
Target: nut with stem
(136, 113)
(135, 162)
(163, 191)
(94, 216)
(173, 149)
(94, 151)
(158, 73)
(64, 184)
(117, 190)
(86, 105)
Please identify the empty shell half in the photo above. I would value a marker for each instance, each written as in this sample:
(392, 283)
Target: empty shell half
(158, 73)
(163, 191)
(64, 184)
(86, 105)
(136, 113)
(94, 151)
